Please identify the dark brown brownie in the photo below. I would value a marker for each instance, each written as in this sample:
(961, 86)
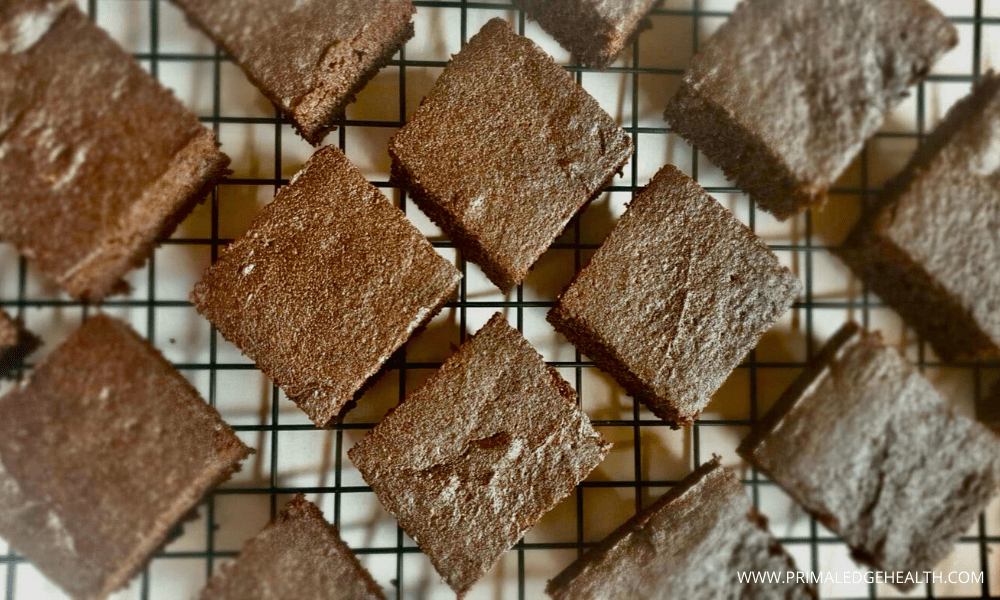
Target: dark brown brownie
(15, 342)
(866, 445)
(785, 94)
(691, 543)
(97, 159)
(595, 31)
(309, 57)
(503, 152)
(102, 454)
(299, 556)
(675, 298)
(328, 282)
(474, 457)
(931, 247)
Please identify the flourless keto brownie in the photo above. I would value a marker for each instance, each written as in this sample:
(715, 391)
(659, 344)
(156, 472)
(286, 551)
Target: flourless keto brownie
(473, 458)
(931, 246)
(504, 150)
(864, 443)
(595, 31)
(785, 94)
(97, 159)
(309, 57)
(694, 542)
(299, 556)
(102, 454)
(327, 283)
(675, 298)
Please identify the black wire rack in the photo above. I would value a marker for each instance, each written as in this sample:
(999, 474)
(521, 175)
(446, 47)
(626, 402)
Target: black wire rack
(806, 245)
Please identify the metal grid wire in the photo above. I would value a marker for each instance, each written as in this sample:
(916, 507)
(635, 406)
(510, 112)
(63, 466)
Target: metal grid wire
(804, 247)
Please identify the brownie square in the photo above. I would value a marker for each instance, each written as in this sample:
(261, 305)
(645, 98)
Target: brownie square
(97, 160)
(299, 555)
(785, 94)
(931, 247)
(865, 444)
(595, 31)
(102, 454)
(504, 150)
(474, 457)
(327, 283)
(675, 298)
(691, 543)
(309, 58)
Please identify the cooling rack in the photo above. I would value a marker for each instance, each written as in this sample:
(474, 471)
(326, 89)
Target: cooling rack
(293, 456)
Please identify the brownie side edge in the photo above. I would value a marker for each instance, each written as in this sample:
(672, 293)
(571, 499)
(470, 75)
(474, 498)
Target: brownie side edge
(589, 343)
(164, 204)
(588, 37)
(741, 154)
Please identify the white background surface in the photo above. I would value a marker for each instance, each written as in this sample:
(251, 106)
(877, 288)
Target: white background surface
(291, 454)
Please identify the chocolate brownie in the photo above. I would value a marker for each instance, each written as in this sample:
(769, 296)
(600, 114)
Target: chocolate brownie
(691, 543)
(327, 283)
(595, 31)
(474, 457)
(102, 454)
(866, 445)
(15, 342)
(931, 247)
(785, 94)
(309, 57)
(505, 149)
(298, 556)
(97, 159)
(675, 298)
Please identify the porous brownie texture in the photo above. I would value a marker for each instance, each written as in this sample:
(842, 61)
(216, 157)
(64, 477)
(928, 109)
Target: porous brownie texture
(474, 457)
(785, 94)
(329, 281)
(309, 57)
(865, 444)
(931, 246)
(102, 453)
(98, 161)
(505, 150)
(675, 298)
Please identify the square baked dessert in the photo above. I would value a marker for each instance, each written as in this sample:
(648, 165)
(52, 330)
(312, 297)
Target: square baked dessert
(474, 457)
(298, 556)
(866, 445)
(691, 543)
(595, 31)
(102, 454)
(931, 247)
(329, 281)
(308, 57)
(785, 94)
(678, 294)
(505, 150)
(97, 160)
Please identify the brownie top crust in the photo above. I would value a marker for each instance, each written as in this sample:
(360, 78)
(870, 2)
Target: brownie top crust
(474, 457)
(595, 31)
(811, 80)
(944, 210)
(675, 298)
(327, 283)
(504, 150)
(299, 556)
(102, 453)
(309, 57)
(865, 444)
(691, 543)
(9, 332)
(97, 159)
